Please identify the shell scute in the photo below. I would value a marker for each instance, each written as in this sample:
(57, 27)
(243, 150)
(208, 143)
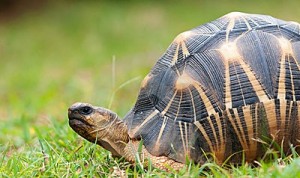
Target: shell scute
(219, 87)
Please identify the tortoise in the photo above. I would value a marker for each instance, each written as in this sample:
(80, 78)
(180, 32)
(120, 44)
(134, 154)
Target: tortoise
(221, 91)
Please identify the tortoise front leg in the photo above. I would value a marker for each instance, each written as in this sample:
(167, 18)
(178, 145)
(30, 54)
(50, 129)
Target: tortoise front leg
(161, 162)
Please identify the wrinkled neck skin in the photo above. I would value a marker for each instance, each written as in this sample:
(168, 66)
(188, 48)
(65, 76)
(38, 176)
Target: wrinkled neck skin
(114, 138)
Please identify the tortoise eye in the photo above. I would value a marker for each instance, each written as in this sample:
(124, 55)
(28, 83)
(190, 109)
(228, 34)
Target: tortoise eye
(86, 110)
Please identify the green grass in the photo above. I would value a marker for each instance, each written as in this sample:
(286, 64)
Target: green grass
(53, 57)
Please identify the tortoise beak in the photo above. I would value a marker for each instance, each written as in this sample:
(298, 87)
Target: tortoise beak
(73, 111)
(74, 114)
(75, 118)
(70, 113)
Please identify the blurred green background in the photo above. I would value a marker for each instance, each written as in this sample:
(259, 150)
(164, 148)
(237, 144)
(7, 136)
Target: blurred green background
(54, 53)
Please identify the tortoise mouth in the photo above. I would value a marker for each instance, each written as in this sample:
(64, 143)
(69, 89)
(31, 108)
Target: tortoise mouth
(76, 119)
(81, 127)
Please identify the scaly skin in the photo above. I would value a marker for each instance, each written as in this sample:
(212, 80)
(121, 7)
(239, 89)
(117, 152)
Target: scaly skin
(161, 162)
(102, 126)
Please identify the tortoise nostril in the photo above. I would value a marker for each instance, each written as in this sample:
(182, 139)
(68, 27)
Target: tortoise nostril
(70, 113)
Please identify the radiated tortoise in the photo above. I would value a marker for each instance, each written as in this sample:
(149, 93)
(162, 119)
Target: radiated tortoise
(224, 89)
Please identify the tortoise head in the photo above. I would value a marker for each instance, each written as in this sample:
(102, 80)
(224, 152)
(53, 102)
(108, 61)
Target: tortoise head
(98, 125)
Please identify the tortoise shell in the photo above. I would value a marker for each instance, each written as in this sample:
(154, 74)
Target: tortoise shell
(220, 88)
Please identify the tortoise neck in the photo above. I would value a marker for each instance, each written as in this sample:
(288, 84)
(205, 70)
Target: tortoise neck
(120, 131)
(117, 138)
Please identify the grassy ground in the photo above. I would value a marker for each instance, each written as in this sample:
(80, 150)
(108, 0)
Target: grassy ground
(53, 57)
